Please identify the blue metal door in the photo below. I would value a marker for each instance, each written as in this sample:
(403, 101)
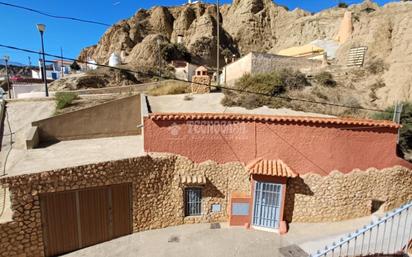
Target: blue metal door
(267, 204)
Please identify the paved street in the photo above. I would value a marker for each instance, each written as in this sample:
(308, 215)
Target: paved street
(201, 241)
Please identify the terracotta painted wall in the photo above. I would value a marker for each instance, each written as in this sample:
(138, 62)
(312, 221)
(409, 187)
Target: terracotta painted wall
(305, 148)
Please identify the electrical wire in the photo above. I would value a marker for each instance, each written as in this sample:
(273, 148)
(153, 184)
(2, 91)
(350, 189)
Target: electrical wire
(54, 16)
(296, 150)
(288, 98)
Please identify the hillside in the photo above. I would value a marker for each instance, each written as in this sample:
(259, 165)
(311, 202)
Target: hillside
(262, 25)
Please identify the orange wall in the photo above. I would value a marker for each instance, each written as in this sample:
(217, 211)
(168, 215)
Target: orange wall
(304, 147)
(238, 220)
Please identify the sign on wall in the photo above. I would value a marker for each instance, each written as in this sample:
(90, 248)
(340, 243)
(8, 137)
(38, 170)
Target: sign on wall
(240, 209)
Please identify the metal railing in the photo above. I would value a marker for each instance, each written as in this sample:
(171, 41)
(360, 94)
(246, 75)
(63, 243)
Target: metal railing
(388, 235)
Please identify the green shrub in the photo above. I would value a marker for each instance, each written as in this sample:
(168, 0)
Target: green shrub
(265, 83)
(226, 53)
(368, 10)
(264, 87)
(75, 66)
(64, 99)
(405, 139)
(203, 46)
(325, 79)
(171, 52)
(293, 80)
(343, 5)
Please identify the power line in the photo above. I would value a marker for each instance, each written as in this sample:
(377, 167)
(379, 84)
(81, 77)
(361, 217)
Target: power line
(54, 16)
(297, 150)
(288, 98)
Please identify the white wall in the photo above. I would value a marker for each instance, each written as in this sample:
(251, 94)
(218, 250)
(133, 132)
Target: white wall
(236, 70)
(37, 74)
(186, 73)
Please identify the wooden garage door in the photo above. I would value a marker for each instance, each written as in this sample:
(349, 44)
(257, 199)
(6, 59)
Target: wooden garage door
(81, 218)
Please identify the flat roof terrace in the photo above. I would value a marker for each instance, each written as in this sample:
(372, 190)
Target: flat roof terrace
(17, 160)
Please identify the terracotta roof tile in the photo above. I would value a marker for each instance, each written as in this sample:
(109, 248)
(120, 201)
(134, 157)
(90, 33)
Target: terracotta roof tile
(270, 168)
(273, 118)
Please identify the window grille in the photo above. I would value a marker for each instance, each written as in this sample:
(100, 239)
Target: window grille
(193, 197)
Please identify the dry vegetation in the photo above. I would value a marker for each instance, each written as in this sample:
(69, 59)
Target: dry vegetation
(81, 102)
(170, 88)
(279, 89)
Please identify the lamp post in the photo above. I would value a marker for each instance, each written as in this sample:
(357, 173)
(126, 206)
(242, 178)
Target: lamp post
(41, 28)
(6, 61)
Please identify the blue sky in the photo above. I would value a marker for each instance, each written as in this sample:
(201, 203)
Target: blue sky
(18, 28)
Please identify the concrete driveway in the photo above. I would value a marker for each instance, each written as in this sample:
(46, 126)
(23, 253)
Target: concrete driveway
(201, 241)
(191, 240)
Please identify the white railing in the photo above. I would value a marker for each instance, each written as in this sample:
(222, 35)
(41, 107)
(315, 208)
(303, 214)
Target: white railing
(388, 235)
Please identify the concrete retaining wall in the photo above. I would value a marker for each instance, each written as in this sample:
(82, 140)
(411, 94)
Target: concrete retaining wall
(115, 118)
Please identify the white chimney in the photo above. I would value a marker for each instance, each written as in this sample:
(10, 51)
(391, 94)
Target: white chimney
(180, 39)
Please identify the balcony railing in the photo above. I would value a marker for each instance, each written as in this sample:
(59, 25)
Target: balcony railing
(388, 235)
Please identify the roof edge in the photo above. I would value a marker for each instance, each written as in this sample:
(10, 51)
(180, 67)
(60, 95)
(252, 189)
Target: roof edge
(275, 118)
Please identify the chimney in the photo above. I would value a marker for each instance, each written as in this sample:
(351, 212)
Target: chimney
(180, 39)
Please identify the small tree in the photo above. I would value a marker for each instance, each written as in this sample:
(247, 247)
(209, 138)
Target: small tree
(405, 139)
(342, 5)
(325, 79)
(171, 52)
(75, 66)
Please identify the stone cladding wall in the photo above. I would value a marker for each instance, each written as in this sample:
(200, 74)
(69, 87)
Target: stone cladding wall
(158, 194)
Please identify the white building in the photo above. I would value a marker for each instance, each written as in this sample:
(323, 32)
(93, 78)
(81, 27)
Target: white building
(184, 70)
(114, 60)
(50, 74)
(59, 68)
(255, 63)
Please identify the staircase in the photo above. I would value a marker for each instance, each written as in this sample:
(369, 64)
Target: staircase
(391, 234)
(356, 56)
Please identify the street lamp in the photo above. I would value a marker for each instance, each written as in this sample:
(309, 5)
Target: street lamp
(6, 60)
(42, 28)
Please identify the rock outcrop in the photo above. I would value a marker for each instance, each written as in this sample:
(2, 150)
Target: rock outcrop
(264, 26)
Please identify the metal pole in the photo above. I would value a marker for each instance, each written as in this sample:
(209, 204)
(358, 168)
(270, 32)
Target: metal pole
(354, 248)
(61, 62)
(44, 64)
(218, 43)
(7, 76)
(404, 228)
(383, 237)
(363, 240)
(390, 236)
(396, 234)
(376, 238)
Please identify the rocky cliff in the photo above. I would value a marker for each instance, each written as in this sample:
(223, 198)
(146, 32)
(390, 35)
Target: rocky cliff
(262, 25)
